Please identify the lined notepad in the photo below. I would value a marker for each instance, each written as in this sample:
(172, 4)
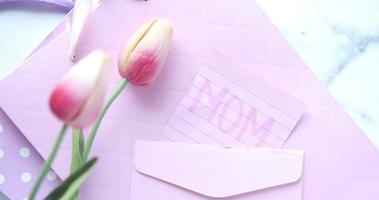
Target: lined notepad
(227, 105)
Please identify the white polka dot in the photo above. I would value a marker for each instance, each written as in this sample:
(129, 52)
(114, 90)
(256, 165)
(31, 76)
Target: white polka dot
(1, 153)
(1, 128)
(51, 176)
(2, 179)
(25, 198)
(26, 177)
(24, 152)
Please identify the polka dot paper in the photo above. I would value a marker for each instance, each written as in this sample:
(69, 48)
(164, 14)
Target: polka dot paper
(20, 163)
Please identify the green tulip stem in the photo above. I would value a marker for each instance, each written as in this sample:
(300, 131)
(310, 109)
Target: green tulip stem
(49, 161)
(95, 128)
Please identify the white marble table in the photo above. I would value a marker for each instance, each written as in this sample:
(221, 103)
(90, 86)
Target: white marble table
(338, 39)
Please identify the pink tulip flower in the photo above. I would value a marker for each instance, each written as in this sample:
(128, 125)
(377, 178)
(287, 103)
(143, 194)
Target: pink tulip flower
(142, 59)
(78, 97)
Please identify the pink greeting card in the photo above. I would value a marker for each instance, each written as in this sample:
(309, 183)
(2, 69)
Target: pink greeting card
(226, 104)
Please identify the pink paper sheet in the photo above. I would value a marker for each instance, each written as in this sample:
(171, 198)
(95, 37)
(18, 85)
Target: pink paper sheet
(228, 105)
(341, 162)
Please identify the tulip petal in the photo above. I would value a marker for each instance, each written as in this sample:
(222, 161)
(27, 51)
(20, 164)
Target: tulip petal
(131, 45)
(63, 103)
(142, 60)
(90, 110)
(81, 90)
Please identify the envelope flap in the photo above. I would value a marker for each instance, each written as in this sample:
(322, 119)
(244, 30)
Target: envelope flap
(216, 171)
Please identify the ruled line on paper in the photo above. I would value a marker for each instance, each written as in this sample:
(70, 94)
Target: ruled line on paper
(215, 125)
(234, 83)
(216, 110)
(219, 142)
(268, 103)
(265, 109)
(187, 136)
(244, 102)
(244, 116)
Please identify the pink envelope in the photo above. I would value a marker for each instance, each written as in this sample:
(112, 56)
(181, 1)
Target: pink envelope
(341, 162)
(193, 171)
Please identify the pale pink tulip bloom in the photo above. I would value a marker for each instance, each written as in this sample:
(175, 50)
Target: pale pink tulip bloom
(143, 58)
(78, 97)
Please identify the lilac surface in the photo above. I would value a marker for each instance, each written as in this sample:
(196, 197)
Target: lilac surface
(15, 162)
(64, 4)
(341, 163)
(12, 164)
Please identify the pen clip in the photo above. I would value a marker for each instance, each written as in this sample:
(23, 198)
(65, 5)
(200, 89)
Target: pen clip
(78, 18)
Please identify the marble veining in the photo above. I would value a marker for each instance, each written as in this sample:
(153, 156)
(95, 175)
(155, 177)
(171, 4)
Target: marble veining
(339, 40)
(356, 46)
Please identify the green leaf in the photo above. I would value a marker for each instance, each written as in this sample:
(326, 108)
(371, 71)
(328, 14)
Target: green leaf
(68, 188)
